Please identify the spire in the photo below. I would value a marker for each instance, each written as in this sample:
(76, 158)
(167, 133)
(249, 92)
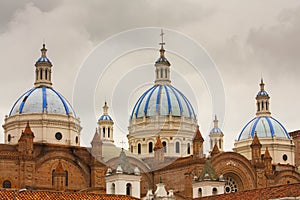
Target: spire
(267, 154)
(105, 109)
(215, 150)
(43, 70)
(262, 85)
(162, 51)
(28, 130)
(255, 141)
(162, 65)
(216, 122)
(208, 172)
(262, 101)
(158, 144)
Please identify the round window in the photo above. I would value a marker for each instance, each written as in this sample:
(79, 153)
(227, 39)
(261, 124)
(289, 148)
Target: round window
(284, 157)
(58, 136)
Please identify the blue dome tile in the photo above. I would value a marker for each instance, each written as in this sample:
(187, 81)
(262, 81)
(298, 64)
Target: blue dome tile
(38, 100)
(265, 127)
(164, 100)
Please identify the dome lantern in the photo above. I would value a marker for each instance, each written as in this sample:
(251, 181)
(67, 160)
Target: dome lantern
(262, 101)
(43, 70)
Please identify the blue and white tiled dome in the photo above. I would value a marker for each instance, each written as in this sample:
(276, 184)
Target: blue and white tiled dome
(42, 99)
(265, 127)
(164, 100)
(105, 117)
(216, 130)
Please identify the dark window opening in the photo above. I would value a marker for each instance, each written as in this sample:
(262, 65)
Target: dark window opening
(284, 157)
(9, 138)
(139, 149)
(128, 189)
(67, 178)
(177, 147)
(58, 136)
(6, 184)
(76, 140)
(165, 146)
(103, 131)
(150, 146)
(108, 132)
(188, 148)
(41, 74)
(46, 74)
(214, 191)
(53, 177)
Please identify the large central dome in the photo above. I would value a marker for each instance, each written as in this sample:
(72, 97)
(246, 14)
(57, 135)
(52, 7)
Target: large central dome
(163, 100)
(39, 100)
(162, 111)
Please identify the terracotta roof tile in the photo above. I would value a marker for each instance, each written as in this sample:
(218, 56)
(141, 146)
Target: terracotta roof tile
(49, 195)
(289, 190)
(198, 135)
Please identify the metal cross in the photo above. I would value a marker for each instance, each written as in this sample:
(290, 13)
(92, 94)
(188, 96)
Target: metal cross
(162, 38)
(122, 142)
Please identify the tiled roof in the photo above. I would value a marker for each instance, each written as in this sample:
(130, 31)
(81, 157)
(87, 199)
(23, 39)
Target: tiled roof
(289, 190)
(47, 195)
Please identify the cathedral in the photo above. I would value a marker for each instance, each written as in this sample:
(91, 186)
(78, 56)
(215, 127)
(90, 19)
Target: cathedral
(165, 159)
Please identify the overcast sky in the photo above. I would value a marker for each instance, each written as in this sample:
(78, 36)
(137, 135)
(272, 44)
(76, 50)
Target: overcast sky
(245, 40)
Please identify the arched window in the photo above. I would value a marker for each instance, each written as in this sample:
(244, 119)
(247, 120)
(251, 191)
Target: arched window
(67, 178)
(6, 184)
(188, 148)
(220, 144)
(200, 192)
(113, 188)
(53, 177)
(103, 131)
(214, 191)
(9, 137)
(46, 74)
(164, 143)
(128, 189)
(262, 105)
(266, 105)
(108, 132)
(139, 148)
(177, 147)
(76, 140)
(41, 74)
(258, 106)
(150, 147)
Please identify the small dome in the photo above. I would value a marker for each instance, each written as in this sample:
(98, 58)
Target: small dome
(265, 127)
(164, 100)
(43, 59)
(216, 130)
(105, 117)
(262, 93)
(38, 100)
